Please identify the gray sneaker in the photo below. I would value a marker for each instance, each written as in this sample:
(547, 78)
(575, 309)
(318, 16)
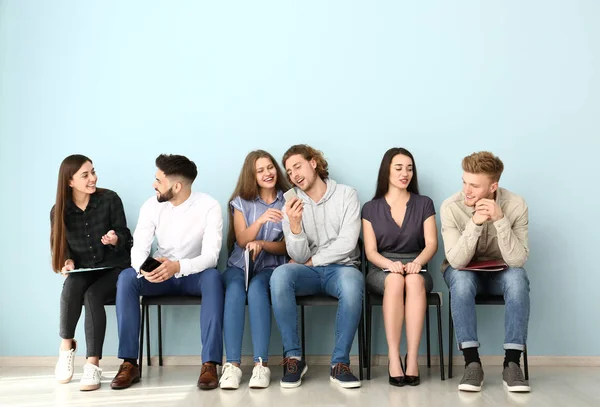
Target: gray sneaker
(472, 378)
(513, 379)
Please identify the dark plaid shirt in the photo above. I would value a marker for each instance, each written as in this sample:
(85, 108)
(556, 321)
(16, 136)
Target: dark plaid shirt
(104, 212)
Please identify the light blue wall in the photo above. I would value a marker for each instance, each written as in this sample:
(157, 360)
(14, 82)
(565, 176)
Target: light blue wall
(122, 81)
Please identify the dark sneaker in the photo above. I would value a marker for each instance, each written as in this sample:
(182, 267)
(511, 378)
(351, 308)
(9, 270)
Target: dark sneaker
(513, 379)
(472, 378)
(342, 375)
(294, 371)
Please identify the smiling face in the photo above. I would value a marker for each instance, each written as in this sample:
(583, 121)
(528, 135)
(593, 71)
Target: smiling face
(84, 180)
(266, 173)
(163, 187)
(401, 171)
(301, 171)
(478, 186)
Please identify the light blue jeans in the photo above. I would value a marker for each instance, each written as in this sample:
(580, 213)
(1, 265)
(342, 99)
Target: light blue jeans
(512, 283)
(346, 283)
(259, 308)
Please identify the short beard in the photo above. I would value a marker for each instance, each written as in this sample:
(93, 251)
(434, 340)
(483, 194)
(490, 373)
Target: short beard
(167, 196)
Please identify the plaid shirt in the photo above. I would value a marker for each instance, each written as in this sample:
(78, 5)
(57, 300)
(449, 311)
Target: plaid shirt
(104, 212)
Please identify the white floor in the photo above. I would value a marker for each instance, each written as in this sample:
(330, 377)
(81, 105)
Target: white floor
(176, 386)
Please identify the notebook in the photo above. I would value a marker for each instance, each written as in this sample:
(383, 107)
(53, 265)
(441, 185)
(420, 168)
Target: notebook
(487, 265)
(248, 266)
(87, 269)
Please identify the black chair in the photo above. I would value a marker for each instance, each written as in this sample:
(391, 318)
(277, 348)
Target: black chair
(145, 320)
(433, 299)
(479, 300)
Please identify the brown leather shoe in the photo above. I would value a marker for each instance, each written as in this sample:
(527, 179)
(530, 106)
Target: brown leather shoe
(127, 375)
(208, 377)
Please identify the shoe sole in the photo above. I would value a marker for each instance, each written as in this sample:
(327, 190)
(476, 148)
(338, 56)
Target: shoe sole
(517, 389)
(469, 387)
(229, 387)
(289, 385)
(258, 386)
(65, 381)
(89, 387)
(134, 381)
(345, 385)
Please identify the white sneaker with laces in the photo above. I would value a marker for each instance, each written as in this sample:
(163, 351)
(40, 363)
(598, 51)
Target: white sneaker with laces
(261, 376)
(91, 377)
(230, 379)
(66, 364)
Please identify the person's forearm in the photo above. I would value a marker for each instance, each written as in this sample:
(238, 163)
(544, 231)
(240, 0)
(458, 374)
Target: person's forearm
(277, 248)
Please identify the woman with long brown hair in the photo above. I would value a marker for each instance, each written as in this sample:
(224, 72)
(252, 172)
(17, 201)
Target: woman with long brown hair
(400, 237)
(88, 230)
(254, 223)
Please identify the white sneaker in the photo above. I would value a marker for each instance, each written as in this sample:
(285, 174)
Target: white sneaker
(66, 364)
(261, 376)
(91, 377)
(230, 379)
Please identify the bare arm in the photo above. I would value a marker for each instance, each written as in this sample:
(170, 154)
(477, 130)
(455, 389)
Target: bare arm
(431, 241)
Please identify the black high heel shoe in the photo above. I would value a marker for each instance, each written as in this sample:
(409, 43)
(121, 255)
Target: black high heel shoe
(397, 381)
(411, 380)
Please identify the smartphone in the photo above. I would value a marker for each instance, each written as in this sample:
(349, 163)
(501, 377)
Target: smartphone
(150, 264)
(290, 194)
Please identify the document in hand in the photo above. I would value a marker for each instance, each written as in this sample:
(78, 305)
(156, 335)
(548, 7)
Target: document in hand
(487, 265)
(248, 266)
(87, 269)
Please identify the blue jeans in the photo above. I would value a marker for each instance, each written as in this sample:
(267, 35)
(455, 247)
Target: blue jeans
(346, 283)
(206, 284)
(259, 308)
(512, 283)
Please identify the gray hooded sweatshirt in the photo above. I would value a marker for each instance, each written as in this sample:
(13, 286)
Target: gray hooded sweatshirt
(330, 228)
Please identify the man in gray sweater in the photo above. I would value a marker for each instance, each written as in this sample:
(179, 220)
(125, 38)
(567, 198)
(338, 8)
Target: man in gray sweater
(321, 226)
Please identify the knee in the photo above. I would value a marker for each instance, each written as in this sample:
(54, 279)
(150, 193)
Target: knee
(352, 287)
(280, 280)
(394, 284)
(414, 283)
(127, 279)
(516, 283)
(462, 286)
(91, 299)
(211, 279)
(257, 289)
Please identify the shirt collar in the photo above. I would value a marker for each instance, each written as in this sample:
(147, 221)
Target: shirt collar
(93, 203)
(278, 197)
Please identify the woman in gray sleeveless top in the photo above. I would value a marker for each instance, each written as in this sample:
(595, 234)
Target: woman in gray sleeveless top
(400, 237)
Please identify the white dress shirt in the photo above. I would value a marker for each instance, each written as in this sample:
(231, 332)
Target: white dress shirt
(190, 233)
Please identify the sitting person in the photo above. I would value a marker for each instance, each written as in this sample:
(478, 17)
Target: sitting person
(254, 224)
(400, 237)
(188, 230)
(321, 227)
(88, 230)
(485, 222)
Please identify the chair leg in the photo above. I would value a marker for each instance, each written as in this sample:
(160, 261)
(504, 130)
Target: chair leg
(525, 363)
(450, 336)
(303, 333)
(148, 335)
(141, 350)
(441, 342)
(160, 358)
(361, 344)
(368, 337)
(428, 337)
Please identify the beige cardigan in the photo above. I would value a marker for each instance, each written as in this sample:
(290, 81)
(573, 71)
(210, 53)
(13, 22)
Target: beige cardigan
(505, 239)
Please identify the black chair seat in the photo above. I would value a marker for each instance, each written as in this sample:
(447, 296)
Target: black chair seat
(316, 300)
(172, 300)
